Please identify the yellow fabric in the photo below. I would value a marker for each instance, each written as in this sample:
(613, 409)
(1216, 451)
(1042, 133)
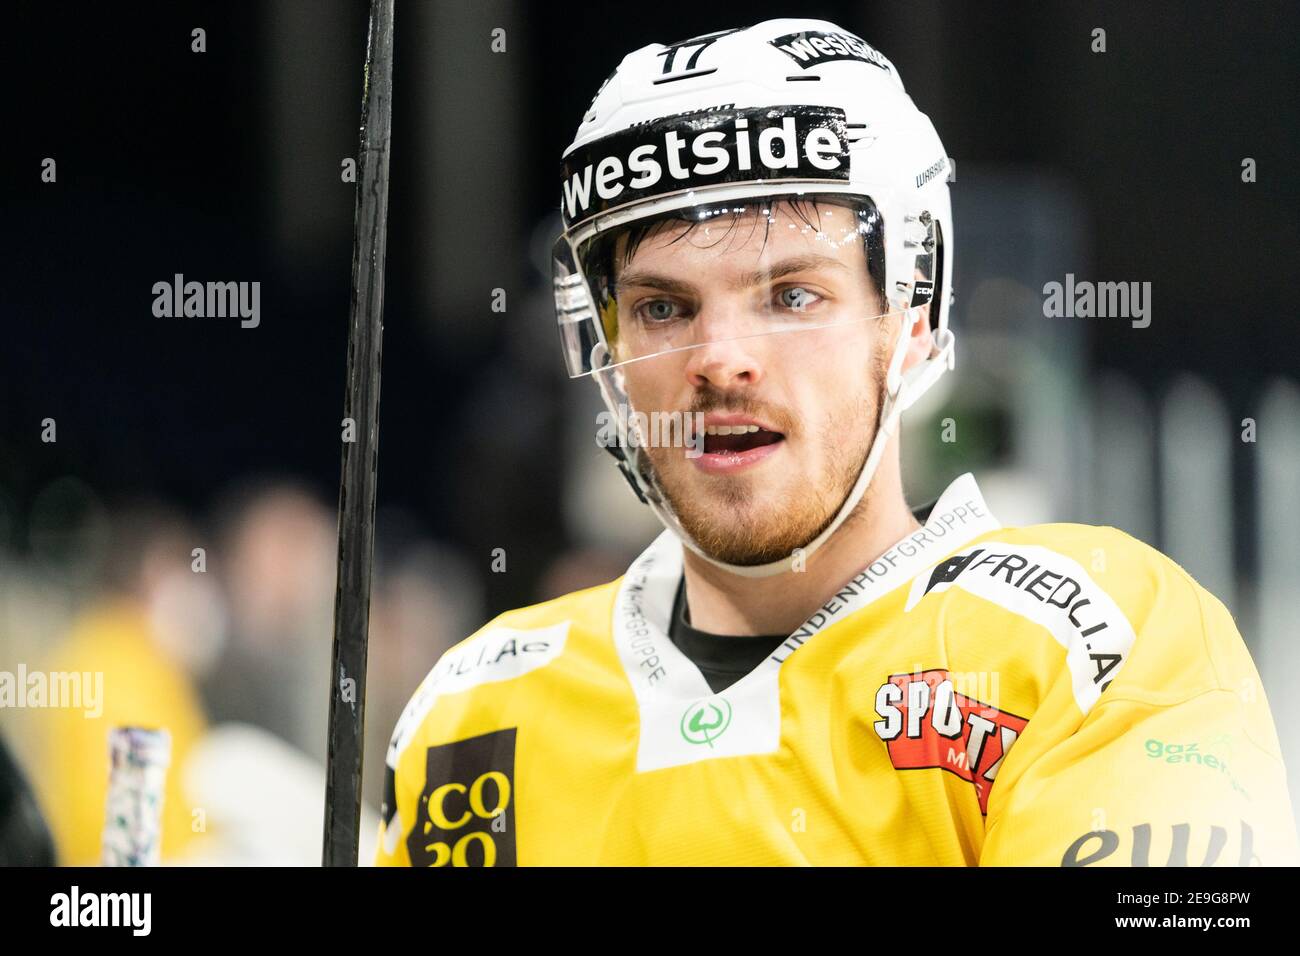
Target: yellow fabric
(140, 688)
(1177, 759)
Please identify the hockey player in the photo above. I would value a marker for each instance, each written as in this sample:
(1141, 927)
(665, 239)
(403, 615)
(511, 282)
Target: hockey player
(799, 669)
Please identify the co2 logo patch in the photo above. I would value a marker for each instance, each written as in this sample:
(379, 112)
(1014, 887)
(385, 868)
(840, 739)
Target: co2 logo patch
(466, 815)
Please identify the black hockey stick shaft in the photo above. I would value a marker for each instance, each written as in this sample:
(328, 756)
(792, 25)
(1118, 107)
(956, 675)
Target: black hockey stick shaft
(361, 454)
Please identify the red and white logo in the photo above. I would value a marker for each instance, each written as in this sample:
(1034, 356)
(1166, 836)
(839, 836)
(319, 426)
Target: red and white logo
(925, 723)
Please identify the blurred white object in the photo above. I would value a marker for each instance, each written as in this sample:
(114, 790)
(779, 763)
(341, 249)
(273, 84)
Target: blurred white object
(263, 801)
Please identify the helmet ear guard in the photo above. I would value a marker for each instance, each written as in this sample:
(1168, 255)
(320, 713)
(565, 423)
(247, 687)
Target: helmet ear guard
(909, 385)
(924, 236)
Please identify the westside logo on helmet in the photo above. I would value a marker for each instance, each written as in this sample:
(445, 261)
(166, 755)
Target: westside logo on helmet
(812, 47)
(705, 148)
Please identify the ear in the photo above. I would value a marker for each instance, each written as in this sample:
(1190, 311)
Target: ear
(921, 339)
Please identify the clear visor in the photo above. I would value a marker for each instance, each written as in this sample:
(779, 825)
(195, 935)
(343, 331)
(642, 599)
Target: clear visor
(718, 272)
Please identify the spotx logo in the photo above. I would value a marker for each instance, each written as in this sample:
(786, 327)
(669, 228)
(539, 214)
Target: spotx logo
(705, 721)
(925, 723)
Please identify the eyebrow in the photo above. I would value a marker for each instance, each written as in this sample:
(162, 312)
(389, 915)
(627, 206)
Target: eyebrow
(778, 270)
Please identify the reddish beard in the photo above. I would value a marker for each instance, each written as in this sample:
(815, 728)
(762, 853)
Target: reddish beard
(730, 519)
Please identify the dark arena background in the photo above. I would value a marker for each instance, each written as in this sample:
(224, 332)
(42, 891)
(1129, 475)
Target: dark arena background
(137, 448)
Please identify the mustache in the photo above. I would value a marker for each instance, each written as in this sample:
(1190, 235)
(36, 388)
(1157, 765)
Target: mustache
(710, 399)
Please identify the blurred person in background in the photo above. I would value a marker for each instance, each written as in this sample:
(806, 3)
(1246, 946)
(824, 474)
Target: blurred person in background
(277, 554)
(150, 632)
(260, 771)
(425, 597)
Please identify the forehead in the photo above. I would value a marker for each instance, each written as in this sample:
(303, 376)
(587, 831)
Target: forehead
(743, 236)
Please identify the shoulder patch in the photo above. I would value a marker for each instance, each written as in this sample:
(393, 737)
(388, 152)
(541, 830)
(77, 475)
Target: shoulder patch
(494, 654)
(1051, 590)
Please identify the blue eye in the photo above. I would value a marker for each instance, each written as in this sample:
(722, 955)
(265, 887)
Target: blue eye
(796, 298)
(655, 311)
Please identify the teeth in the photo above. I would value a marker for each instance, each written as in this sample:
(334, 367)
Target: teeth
(729, 429)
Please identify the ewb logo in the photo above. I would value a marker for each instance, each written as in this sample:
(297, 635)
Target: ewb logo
(706, 721)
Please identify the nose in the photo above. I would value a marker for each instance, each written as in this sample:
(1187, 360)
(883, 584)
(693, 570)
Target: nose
(727, 358)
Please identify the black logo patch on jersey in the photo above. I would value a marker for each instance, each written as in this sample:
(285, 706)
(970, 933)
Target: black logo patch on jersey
(947, 571)
(466, 815)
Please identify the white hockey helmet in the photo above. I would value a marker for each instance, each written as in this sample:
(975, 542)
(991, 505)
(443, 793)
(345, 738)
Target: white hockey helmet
(786, 109)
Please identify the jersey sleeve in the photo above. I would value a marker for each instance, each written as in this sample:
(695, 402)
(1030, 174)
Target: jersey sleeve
(427, 716)
(1177, 764)
(390, 826)
(449, 770)
(434, 717)
(401, 790)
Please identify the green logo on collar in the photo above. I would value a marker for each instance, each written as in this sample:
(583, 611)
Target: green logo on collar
(706, 721)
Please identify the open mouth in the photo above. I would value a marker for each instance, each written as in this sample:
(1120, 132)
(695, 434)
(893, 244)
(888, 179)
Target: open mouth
(737, 439)
(729, 449)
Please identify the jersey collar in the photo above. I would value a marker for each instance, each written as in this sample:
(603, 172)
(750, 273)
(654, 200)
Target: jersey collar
(666, 681)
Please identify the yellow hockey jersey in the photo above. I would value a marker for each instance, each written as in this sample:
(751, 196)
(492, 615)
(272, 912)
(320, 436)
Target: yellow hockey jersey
(1050, 695)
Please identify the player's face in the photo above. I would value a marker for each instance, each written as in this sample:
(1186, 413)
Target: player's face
(800, 404)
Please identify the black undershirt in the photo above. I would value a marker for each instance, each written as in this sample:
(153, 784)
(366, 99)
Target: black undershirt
(724, 659)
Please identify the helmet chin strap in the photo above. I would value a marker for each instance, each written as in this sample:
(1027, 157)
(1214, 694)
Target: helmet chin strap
(901, 390)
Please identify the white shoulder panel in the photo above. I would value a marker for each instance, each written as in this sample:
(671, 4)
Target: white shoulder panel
(494, 654)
